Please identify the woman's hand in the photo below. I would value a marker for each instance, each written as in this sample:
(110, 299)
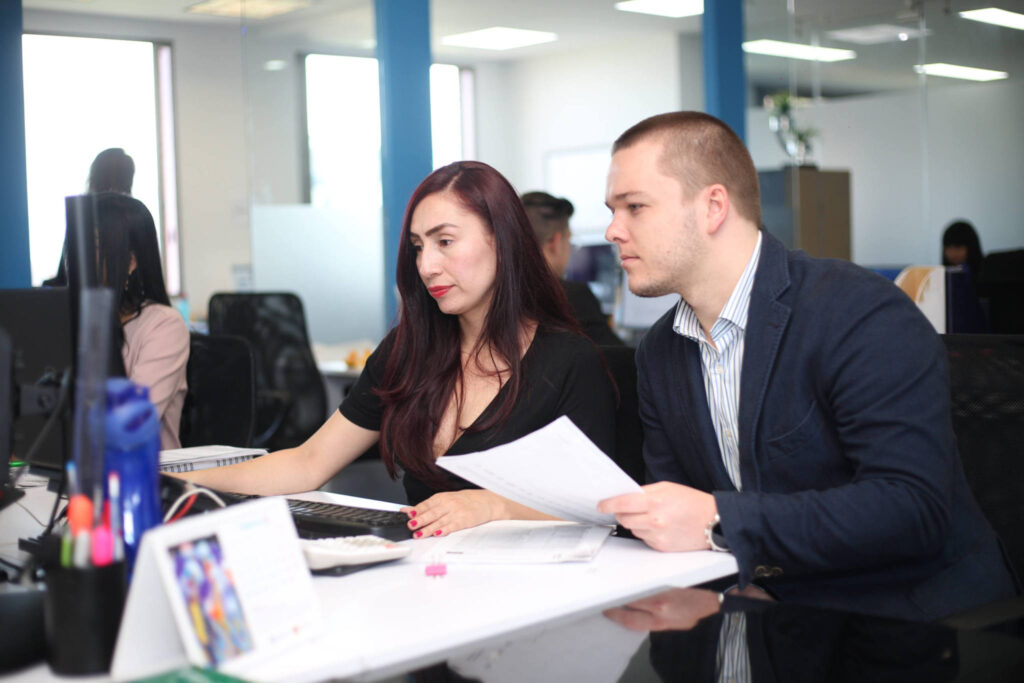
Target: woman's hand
(450, 511)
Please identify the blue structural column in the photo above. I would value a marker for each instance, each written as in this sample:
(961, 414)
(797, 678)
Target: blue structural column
(725, 76)
(403, 54)
(15, 269)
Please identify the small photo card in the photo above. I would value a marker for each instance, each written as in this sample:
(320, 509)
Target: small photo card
(226, 590)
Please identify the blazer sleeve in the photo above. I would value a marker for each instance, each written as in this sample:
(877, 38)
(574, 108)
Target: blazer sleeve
(866, 479)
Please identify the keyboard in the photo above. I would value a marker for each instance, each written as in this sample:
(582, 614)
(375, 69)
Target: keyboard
(312, 520)
(325, 520)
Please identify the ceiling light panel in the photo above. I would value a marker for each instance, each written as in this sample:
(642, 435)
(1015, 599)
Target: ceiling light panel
(999, 17)
(499, 38)
(663, 8)
(250, 9)
(877, 34)
(776, 48)
(967, 73)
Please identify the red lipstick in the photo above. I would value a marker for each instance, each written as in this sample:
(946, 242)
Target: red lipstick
(438, 292)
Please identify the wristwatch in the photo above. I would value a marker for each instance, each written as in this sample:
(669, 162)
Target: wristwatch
(714, 536)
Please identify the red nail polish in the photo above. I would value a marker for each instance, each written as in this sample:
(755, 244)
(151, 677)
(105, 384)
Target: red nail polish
(412, 513)
(412, 524)
(417, 534)
(437, 533)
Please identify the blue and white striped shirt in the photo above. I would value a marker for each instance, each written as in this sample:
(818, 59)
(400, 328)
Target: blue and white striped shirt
(722, 365)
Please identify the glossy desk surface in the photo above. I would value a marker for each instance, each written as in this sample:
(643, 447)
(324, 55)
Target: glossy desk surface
(682, 635)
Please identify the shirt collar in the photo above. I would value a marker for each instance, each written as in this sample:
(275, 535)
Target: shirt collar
(735, 310)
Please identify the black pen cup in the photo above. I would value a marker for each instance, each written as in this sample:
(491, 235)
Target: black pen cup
(82, 610)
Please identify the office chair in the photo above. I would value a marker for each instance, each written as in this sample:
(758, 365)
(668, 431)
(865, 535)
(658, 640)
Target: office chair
(220, 406)
(987, 390)
(629, 434)
(291, 402)
(1001, 286)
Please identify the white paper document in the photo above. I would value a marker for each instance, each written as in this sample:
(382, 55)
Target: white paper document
(522, 542)
(556, 470)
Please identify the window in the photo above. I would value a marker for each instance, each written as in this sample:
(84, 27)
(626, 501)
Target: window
(343, 124)
(84, 95)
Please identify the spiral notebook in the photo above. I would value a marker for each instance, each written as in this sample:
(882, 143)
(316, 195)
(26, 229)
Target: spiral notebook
(202, 457)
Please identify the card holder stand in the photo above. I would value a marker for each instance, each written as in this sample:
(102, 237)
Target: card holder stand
(82, 612)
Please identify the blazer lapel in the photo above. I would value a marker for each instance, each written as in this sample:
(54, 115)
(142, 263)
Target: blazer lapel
(766, 322)
(698, 417)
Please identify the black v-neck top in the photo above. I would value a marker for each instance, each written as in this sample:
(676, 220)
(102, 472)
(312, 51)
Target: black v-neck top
(562, 375)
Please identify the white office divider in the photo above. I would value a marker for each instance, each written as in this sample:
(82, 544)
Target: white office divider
(926, 286)
(333, 258)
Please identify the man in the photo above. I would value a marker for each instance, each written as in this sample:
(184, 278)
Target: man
(795, 410)
(549, 217)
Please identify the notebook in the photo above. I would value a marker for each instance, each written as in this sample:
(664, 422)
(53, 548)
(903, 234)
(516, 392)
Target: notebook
(202, 457)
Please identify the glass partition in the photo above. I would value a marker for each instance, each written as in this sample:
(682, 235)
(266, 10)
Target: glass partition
(920, 150)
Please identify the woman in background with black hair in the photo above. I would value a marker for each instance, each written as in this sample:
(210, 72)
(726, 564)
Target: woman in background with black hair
(154, 337)
(961, 247)
(485, 351)
(111, 171)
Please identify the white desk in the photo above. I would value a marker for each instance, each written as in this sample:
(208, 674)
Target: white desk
(394, 617)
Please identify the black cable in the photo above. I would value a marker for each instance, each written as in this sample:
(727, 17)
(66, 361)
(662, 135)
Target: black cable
(55, 414)
(56, 504)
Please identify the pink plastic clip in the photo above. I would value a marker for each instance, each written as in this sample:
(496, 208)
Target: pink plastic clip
(437, 569)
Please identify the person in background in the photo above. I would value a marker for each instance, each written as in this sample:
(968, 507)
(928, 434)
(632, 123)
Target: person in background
(549, 217)
(796, 410)
(111, 171)
(154, 338)
(485, 351)
(961, 247)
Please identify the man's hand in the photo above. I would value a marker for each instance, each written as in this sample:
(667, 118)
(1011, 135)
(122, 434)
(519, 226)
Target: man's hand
(668, 517)
(676, 610)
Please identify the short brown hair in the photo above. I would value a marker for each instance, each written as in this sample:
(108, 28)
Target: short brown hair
(701, 150)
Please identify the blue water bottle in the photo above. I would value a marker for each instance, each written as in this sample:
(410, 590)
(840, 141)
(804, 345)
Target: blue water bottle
(132, 450)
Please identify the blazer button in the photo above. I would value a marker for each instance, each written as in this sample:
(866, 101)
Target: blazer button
(762, 572)
(776, 571)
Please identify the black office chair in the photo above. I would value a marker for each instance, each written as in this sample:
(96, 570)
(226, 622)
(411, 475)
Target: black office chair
(1001, 287)
(987, 389)
(220, 406)
(629, 433)
(291, 402)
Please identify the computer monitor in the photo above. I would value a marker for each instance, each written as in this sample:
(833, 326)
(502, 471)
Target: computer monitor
(598, 266)
(37, 325)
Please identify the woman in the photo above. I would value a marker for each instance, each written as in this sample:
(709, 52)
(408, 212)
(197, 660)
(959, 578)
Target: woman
(154, 338)
(961, 247)
(485, 351)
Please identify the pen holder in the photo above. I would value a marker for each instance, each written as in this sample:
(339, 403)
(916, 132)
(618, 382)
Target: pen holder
(82, 611)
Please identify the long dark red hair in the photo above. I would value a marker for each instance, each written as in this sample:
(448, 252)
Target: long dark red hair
(424, 366)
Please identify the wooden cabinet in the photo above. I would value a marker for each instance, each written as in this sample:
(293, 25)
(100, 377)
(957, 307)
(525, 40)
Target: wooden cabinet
(807, 208)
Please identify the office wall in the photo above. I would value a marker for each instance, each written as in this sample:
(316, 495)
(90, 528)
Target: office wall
(917, 165)
(577, 99)
(212, 168)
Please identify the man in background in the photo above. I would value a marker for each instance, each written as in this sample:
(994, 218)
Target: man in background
(549, 217)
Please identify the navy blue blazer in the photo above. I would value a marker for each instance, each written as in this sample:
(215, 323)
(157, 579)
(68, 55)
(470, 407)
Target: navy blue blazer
(853, 493)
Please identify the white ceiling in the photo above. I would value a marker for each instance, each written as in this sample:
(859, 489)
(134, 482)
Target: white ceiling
(348, 24)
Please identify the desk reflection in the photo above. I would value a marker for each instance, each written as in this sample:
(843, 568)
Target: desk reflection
(692, 634)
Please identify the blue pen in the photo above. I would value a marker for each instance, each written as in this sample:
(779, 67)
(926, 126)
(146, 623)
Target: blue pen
(72, 474)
